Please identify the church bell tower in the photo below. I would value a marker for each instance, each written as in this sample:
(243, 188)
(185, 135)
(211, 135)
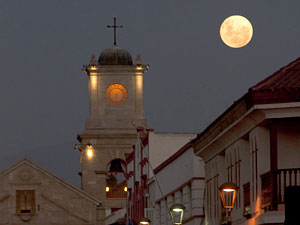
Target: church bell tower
(116, 110)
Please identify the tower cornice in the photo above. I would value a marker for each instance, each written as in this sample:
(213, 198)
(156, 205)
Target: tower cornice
(120, 69)
(80, 137)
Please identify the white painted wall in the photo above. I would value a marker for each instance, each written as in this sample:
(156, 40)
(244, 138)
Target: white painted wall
(288, 146)
(163, 145)
(179, 171)
(173, 180)
(262, 135)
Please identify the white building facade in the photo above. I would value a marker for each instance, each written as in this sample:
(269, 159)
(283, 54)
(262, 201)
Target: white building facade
(255, 144)
(163, 170)
(179, 179)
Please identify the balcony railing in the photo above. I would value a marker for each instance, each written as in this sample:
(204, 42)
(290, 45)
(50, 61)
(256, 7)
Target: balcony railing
(116, 193)
(273, 185)
(285, 178)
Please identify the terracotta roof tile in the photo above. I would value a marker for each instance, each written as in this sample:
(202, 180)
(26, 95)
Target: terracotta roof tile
(286, 78)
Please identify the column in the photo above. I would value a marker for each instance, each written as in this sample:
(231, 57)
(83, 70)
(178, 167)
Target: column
(157, 214)
(170, 202)
(186, 199)
(274, 162)
(178, 197)
(197, 197)
(163, 218)
(93, 86)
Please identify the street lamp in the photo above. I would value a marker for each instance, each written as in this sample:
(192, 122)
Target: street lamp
(144, 221)
(228, 194)
(177, 211)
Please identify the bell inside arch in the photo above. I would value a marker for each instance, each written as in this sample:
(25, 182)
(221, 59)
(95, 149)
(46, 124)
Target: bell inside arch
(116, 166)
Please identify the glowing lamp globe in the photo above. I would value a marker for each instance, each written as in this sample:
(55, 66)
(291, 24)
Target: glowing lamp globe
(228, 195)
(236, 31)
(89, 153)
(177, 211)
(144, 221)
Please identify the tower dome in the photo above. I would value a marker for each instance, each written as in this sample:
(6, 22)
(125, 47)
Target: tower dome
(115, 56)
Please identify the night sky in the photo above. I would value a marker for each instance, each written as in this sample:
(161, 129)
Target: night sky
(193, 76)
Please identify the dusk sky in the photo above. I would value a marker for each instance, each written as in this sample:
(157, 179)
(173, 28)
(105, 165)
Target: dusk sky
(193, 76)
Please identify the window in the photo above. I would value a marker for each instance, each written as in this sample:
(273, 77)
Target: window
(247, 210)
(25, 201)
(116, 184)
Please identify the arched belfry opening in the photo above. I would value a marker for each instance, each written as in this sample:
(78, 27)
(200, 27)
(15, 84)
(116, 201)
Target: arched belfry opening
(116, 184)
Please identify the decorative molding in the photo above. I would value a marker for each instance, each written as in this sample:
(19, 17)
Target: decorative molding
(80, 137)
(103, 70)
(24, 183)
(25, 217)
(101, 172)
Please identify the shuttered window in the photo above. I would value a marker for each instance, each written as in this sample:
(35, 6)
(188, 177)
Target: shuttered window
(25, 201)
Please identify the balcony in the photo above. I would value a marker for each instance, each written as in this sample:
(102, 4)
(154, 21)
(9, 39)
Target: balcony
(273, 185)
(116, 194)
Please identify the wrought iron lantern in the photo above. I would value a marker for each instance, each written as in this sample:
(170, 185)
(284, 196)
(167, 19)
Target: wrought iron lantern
(144, 221)
(177, 211)
(228, 195)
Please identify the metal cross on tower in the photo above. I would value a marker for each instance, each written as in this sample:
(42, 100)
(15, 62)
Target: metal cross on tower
(115, 30)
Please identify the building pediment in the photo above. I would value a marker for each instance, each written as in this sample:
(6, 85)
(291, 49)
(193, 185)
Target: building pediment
(30, 193)
(26, 172)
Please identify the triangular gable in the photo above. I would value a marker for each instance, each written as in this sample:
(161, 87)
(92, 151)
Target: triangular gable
(51, 176)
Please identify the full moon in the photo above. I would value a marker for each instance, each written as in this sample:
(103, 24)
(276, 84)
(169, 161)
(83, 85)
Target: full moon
(236, 31)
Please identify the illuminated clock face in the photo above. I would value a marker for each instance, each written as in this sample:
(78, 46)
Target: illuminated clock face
(116, 94)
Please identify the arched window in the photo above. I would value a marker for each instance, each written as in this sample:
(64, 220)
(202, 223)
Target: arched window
(116, 185)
